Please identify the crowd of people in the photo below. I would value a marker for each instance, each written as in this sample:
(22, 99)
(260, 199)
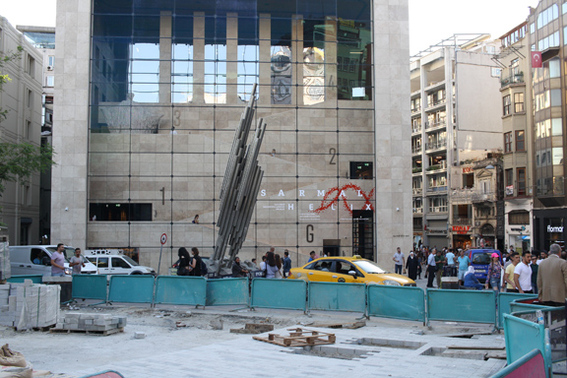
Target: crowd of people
(540, 273)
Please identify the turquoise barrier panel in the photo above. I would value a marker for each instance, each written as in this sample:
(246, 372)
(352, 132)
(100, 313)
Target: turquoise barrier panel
(89, 287)
(337, 296)
(522, 336)
(228, 291)
(504, 300)
(36, 278)
(406, 303)
(530, 365)
(131, 289)
(475, 306)
(515, 307)
(274, 293)
(181, 290)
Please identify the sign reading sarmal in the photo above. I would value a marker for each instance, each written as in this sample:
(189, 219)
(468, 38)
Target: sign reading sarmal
(551, 229)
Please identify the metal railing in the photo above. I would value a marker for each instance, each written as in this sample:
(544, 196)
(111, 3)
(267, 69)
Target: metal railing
(512, 79)
(436, 145)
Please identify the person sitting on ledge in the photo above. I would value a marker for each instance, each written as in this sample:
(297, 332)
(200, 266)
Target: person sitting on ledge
(471, 281)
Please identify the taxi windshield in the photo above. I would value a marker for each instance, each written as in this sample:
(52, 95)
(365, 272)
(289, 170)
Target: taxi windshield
(368, 267)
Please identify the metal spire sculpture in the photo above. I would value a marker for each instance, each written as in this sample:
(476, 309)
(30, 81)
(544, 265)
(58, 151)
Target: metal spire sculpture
(240, 187)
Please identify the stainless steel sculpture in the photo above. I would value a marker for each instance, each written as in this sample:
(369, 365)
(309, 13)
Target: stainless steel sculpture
(239, 189)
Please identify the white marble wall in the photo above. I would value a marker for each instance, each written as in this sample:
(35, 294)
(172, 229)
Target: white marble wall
(70, 124)
(393, 132)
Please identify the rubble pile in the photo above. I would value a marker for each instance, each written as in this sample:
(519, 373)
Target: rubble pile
(95, 323)
(28, 305)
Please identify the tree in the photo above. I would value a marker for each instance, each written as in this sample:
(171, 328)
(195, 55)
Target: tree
(19, 160)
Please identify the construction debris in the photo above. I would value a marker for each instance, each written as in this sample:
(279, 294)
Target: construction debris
(254, 328)
(28, 305)
(299, 337)
(353, 325)
(96, 324)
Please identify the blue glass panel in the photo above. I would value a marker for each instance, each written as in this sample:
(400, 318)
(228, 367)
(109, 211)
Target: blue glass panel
(112, 6)
(115, 26)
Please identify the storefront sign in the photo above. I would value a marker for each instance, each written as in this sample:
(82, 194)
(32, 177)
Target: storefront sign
(552, 229)
(467, 169)
(461, 229)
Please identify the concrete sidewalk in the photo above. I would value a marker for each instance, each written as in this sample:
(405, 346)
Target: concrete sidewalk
(420, 352)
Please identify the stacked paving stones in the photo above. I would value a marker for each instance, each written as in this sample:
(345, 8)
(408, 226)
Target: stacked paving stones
(96, 323)
(27, 305)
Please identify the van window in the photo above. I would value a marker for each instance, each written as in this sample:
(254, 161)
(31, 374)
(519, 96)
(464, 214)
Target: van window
(481, 258)
(39, 257)
(117, 262)
(102, 262)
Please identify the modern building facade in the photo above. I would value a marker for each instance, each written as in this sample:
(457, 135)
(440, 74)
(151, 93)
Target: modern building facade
(455, 122)
(149, 95)
(21, 97)
(547, 34)
(517, 127)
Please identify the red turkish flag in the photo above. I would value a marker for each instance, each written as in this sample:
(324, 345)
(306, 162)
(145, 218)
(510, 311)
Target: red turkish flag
(536, 59)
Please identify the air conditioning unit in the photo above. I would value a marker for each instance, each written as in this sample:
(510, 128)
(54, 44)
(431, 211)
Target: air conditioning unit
(50, 68)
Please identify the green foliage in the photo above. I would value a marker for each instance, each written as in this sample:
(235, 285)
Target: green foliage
(20, 160)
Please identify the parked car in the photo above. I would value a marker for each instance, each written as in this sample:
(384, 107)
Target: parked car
(36, 259)
(480, 259)
(348, 269)
(113, 261)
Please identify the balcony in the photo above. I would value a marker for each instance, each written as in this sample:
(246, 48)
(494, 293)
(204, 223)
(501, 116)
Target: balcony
(472, 195)
(417, 109)
(416, 149)
(436, 103)
(438, 209)
(416, 129)
(441, 144)
(418, 210)
(417, 191)
(431, 126)
(512, 79)
(437, 167)
(462, 221)
(416, 170)
(437, 189)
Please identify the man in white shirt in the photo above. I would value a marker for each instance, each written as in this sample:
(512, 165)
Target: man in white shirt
(431, 268)
(523, 274)
(400, 261)
(450, 256)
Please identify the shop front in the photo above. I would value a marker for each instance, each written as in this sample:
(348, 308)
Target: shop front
(461, 237)
(549, 228)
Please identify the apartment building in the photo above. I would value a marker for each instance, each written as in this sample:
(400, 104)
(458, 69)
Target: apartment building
(455, 123)
(21, 97)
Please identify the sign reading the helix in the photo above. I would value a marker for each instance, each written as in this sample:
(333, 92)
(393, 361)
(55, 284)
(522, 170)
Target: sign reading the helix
(333, 199)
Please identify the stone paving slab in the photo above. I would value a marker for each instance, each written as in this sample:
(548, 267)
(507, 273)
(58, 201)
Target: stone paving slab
(245, 357)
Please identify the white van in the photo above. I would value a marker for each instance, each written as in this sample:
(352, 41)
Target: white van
(36, 259)
(113, 261)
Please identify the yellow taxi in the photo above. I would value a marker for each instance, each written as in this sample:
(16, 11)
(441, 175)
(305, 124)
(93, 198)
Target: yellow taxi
(353, 269)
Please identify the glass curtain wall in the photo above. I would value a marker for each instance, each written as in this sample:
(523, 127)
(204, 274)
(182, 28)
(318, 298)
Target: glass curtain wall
(169, 79)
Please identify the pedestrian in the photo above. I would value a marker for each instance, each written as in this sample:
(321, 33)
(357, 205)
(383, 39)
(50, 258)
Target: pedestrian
(237, 269)
(412, 266)
(552, 278)
(494, 273)
(452, 271)
(254, 262)
(509, 273)
(431, 267)
(523, 274)
(279, 264)
(535, 268)
(420, 264)
(184, 261)
(542, 256)
(470, 279)
(464, 263)
(77, 262)
(399, 261)
(271, 267)
(440, 262)
(312, 256)
(195, 263)
(196, 219)
(286, 263)
(58, 261)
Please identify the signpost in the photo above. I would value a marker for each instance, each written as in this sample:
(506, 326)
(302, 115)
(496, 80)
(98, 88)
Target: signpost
(162, 240)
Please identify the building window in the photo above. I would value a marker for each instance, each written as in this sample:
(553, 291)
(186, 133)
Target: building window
(518, 102)
(518, 217)
(31, 66)
(120, 212)
(27, 131)
(506, 102)
(50, 62)
(360, 170)
(29, 99)
(50, 80)
(520, 141)
(509, 182)
(521, 176)
(508, 142)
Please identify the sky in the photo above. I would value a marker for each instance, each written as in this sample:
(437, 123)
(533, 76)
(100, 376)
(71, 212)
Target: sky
(430, 21)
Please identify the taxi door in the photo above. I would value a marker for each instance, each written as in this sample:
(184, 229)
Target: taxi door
(340, 270)
(320, 271)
